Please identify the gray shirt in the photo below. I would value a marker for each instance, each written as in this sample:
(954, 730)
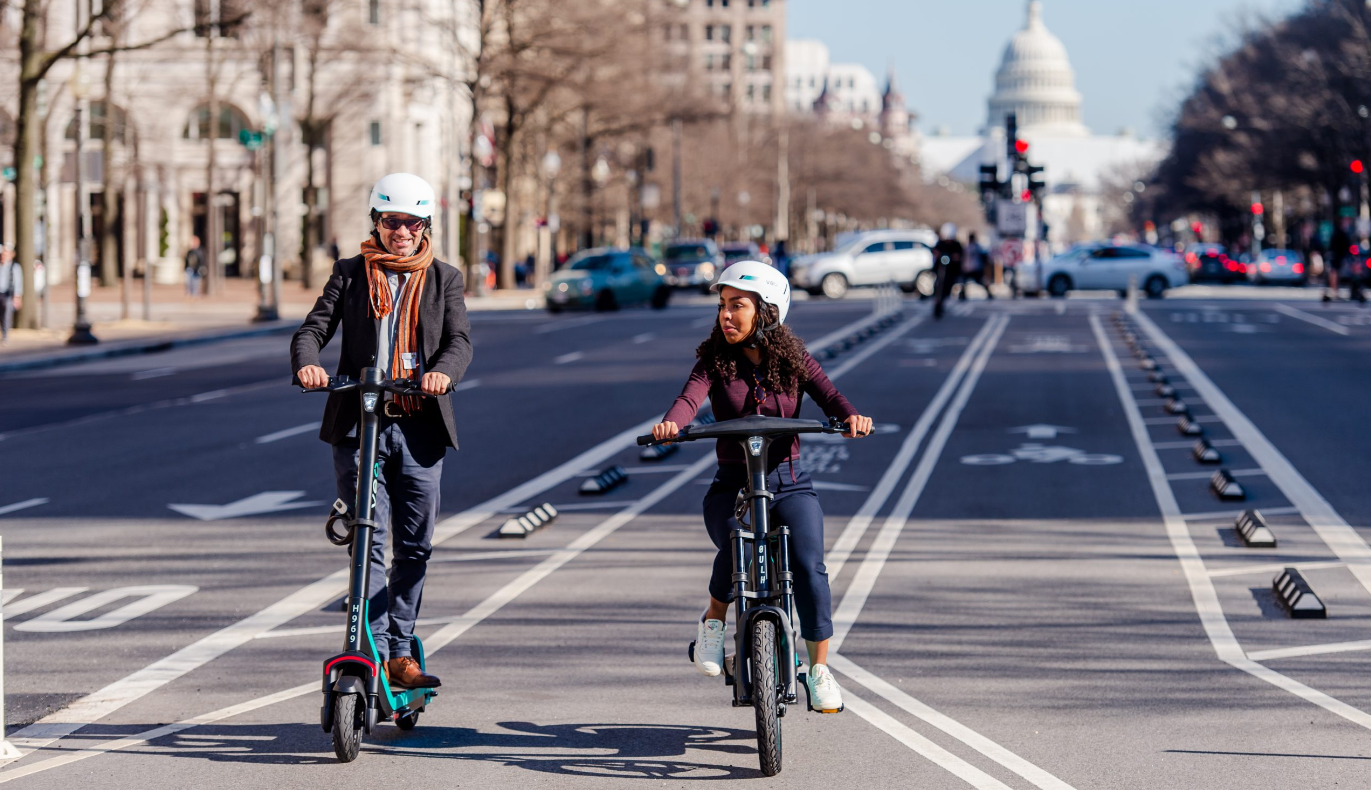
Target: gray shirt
(11, 279)
(385, 331)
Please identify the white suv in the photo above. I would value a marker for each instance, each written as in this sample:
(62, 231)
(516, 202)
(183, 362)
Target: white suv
(899, 256)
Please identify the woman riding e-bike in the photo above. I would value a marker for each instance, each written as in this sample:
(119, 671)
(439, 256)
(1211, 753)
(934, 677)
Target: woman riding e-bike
(753, 364)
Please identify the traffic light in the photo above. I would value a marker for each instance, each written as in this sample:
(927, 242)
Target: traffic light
(1357, 166)
(1011, 137)
(1257, 209)
(1021, 147)
(990, 181)
(1037, 186)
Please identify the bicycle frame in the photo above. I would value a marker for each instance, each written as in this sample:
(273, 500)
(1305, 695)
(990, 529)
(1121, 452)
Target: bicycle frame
(757, 592)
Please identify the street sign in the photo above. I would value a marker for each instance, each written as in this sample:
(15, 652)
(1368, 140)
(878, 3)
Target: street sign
(1011, 219)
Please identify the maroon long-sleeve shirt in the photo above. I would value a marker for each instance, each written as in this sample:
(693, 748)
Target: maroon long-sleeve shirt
(734, 399)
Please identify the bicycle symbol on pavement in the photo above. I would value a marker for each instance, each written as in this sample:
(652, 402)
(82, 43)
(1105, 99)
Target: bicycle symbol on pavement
(1037, 453)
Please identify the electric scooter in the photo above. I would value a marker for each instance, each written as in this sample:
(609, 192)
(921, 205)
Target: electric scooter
(356, 690)
(763, 667)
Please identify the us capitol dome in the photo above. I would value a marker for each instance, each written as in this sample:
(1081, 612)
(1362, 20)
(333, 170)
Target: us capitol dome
(1035, 81)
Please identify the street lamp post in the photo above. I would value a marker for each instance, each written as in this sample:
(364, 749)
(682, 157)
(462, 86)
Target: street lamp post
(269, 283)
(552, 165)
(81, 334)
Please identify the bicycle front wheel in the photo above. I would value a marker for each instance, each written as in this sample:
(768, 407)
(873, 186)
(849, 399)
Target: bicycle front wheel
(766, 701)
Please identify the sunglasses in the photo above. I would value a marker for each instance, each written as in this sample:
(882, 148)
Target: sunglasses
(394, 223)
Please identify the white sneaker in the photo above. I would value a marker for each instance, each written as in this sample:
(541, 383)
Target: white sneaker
(824, 694)
(709, 647)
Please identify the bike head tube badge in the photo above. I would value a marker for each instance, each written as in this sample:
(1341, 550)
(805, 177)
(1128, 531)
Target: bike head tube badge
(369, 400)
(754, 445)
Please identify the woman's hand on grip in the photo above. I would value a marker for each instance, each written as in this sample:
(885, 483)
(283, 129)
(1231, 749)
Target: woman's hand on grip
(665, 430)
(857, 426)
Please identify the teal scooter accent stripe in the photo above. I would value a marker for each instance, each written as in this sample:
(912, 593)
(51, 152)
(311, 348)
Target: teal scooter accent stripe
(407, 697)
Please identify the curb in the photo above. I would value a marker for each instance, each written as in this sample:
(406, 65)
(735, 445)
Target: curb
(149, 346)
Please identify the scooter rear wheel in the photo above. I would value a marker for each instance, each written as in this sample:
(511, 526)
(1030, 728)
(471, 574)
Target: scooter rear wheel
(765, 699)
(407, 721)
(347, 726)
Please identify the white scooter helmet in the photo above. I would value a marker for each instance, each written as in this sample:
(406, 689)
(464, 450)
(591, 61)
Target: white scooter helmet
(403, 193)
(761, 279)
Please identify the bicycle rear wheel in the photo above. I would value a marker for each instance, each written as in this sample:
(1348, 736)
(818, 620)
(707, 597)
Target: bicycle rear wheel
(765, 697)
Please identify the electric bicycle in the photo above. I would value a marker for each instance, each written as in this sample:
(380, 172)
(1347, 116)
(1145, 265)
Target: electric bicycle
(357, 691)
(763, 669)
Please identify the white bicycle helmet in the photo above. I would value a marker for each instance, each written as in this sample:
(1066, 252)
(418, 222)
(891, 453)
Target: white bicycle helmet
(403, 193)
(758, 278)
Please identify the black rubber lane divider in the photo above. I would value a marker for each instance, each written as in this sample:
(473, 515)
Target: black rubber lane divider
(1148, 363)
(528, 523)
(1166, 391)
(1177, 406)
(657, 452)
(1157, 377)
(1297, 596)
(1252, 528)
(1130, 338)
(605, 481)
(1205, 452)
(1225, 486)
(1188, 427)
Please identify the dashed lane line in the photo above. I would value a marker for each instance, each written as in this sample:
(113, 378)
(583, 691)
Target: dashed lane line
(286, 433)
(1345, 542)
(1309, 318)
(1202, 591)
(854, 600)
(1309, 650)
(24, 505)
(569, 357)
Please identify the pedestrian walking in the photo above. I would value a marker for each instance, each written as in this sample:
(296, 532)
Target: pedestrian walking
(401, 310)
(11, 290)
(977, 266)
(196, 267)
(947, 261)
(1339, 250)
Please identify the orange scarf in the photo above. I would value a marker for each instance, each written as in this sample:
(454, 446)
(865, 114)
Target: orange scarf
(379, 261)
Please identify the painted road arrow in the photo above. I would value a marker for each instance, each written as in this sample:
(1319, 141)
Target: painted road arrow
(1041, 431)
(257, 504)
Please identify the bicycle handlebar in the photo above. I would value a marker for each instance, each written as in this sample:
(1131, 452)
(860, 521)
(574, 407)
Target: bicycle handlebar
(754, 425)
(394, 386)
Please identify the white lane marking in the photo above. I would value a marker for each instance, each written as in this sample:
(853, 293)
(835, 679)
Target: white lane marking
(149, 597)
(1232, 514)
(1274, 568)
(287, 433)
(8, 595)
(469, 384)
(1323, 323)
(644, 337)
(820, 485)
(1202, 590)
(956, 729)
(479, 556)
(19, 772)
(858, 525)
(1346, 543)
(154, 373)
(571, 357)
(255, 505)
(39, 600)
(874, 346)
(575, 506)
(99, 704)
(642, 470)
(24, 505)
(921, 745)
(319, 630)
(854, 600)
(208, 396)
(1209, 474)
(1309, 650)
(859, 590)
(444, 636)
(570, 323)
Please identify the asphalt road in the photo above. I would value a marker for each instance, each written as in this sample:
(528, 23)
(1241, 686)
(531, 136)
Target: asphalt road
(1034, 586)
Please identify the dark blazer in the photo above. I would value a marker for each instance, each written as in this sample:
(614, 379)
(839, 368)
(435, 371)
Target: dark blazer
(444, 336)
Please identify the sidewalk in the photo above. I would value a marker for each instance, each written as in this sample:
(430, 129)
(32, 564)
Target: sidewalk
(176, 320)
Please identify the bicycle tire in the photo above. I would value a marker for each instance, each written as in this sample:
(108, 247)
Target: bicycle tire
(765, 699)
(347, 726)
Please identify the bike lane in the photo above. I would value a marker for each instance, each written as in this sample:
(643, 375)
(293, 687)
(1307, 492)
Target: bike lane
(1038, 601)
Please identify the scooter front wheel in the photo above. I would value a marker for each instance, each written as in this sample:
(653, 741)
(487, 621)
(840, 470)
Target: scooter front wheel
(765, 699)
(347, 726)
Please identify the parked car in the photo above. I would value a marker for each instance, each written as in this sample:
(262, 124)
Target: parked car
(1278, 266)
(692, 263)
(607, 279)
(1211, 263)
(874, 258)
(1088, 267)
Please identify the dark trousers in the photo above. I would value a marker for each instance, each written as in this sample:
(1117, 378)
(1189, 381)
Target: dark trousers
(795, 506)
(410, 457)
(948, 276)
(6, 315)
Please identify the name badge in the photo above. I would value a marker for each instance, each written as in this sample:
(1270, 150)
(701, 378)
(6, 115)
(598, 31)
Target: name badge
(408, 360)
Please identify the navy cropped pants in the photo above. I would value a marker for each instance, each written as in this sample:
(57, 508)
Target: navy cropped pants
(795, 506)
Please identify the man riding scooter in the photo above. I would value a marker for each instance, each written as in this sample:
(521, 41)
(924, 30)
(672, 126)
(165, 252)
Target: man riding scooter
(401, 310)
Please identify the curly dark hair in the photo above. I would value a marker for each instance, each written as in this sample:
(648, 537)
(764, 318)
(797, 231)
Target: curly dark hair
(782, 367)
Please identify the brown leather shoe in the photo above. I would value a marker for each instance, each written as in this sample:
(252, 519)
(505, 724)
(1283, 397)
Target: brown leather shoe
(405, 673)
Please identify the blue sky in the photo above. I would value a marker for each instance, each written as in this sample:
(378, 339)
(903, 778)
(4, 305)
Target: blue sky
(1133, 59)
